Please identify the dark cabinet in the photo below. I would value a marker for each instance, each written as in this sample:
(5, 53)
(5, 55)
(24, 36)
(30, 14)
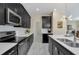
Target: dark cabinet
(12, 6)
(46, 22)
(24, 46)
(21, 48)
(45, 37)
(29, 42)
(50, 46)
(2, 14)
(19, 9)
(28, 21)
(31, 39)
(53, 50)
(56, 49)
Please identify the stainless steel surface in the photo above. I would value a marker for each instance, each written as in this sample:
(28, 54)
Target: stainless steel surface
(74, 34)
(72, 44)
(69, 42)
(4, 34)
(8, 36)
(64, 40)
(11, 13)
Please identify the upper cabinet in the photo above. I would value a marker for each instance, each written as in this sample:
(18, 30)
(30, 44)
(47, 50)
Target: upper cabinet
(46, 22)
(17, 8)
(2, 14)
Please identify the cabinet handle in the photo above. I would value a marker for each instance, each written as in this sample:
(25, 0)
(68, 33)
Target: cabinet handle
(11, 52)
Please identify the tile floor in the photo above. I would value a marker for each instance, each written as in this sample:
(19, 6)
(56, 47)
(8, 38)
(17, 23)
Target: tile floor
(39, 49)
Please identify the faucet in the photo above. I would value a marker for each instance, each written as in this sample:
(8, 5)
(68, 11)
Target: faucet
(73, 32)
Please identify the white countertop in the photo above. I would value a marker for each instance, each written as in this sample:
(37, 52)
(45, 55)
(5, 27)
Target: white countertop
(6, 46)
(21, 36)
(24, 35)
(71, 49)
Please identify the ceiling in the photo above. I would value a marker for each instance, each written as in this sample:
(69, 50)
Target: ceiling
(47, 8)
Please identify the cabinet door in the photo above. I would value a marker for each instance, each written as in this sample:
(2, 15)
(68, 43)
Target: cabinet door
(2, 14)
(28, 24)
(12, 6)
(55, 50)
(26, 46)
(45, 38)
(21, 48)
(31, 39)
(46, 21)
(50, 46)
(60, 52)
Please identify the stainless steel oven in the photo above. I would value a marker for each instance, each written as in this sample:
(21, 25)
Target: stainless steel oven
(7, 36)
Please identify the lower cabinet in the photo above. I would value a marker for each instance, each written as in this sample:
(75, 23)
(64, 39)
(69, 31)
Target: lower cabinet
(45, 38)
(24, 46)
(56, 49)
(21, 48)
(50, 46)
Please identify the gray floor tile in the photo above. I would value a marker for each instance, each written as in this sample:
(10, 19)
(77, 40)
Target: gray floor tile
(39, 49)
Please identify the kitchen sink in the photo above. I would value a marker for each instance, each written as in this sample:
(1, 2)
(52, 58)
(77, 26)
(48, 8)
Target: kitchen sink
(68, 42)
(64, 40)
(72, 44)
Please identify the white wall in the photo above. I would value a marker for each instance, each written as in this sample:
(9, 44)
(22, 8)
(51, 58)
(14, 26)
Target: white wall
(57, 16)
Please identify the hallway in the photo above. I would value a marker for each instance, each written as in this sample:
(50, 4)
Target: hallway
(39, 49)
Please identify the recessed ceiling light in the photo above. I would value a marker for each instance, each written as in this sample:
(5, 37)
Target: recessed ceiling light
(37, 9)
(54, 9)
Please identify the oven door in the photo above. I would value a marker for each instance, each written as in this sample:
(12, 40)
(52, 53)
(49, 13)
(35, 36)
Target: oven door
(7, 37)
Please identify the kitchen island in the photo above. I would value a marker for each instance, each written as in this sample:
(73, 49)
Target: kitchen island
(57, 47)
